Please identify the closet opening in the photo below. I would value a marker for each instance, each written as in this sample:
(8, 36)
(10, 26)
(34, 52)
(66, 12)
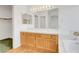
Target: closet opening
(6, 28)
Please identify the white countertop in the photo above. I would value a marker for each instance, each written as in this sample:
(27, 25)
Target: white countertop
(45, 31)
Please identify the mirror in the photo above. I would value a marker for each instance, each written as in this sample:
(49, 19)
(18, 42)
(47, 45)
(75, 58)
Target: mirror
(46, 19)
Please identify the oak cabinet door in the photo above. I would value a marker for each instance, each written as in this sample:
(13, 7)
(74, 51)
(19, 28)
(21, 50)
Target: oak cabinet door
(40, 43)
(30, 37)
(51, 45)
(55, 38)
(23, 39)
(27, 39)
(31, 42)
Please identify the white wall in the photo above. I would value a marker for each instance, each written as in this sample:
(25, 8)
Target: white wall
(5, 25)
(5, 11)
(68, 23)
(17, 21)
(5, 29)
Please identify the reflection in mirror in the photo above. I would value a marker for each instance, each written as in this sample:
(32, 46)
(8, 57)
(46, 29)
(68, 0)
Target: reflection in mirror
(45, 17)
(53, 19)
(42, 22)
(36, 21)
(26, 19)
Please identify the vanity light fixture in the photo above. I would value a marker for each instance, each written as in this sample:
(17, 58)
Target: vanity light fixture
(42, 8)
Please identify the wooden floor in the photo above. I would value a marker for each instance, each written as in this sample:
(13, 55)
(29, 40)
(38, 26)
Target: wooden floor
(29, 49)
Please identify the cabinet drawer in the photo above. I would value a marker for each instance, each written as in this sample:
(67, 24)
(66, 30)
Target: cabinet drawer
(28, 35)
(55, 37)
(43, 36)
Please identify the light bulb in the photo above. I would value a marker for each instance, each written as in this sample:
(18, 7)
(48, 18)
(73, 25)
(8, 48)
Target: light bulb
(40, 8)
(43, 6)
(33, 9)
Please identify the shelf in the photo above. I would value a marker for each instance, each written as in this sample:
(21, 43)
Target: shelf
(6, 18)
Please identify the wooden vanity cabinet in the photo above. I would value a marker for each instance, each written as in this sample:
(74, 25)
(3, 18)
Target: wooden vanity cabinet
(41, 40)
(45, 42)
(40, 43)
(23, 40)
(31, 42)
(55, 39)
(28, 39)
(50, 45)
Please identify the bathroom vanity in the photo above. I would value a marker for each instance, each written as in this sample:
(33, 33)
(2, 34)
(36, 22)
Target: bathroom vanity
(46, 42)
(37, 43)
